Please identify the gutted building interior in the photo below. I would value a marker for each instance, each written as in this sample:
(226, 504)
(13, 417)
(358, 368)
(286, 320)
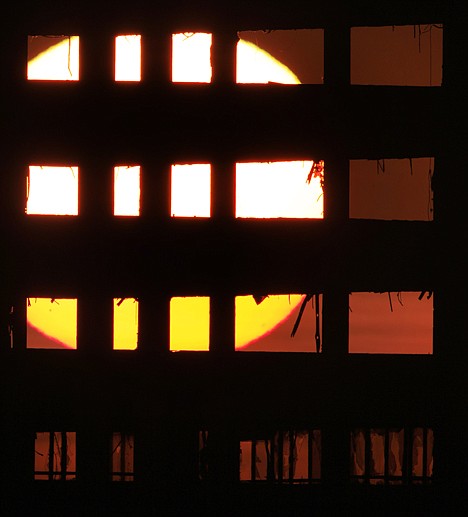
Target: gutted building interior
(173, 344)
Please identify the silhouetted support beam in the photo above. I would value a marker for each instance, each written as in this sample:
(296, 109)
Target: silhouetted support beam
(97, 57)
(223, 190)
(154, 323)
(223, 456)
(93, 457)
(19, 320)
(224, 57)
(95, 323)
(156, 57)
(335, 322)
(222, 322)
(335, 463)
(337, 45)
(155, 193)
(336, 187)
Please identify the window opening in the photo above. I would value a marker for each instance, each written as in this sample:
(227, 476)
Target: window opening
(391, 189)
(189, 323)
(393, 456)
(125, 323)
(53, 58)
(51, 323)
(280, 56)
(279, 189)
(128, 57)
(191, 190)
(268, 323)
(191, 57)
(391, 323)
(285, 457)
(398, 55)
(52, 190)
(127, 190)
(122, 457)
(55, 456)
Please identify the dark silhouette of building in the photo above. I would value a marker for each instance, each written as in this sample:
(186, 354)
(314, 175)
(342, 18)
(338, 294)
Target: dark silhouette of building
(143, 432)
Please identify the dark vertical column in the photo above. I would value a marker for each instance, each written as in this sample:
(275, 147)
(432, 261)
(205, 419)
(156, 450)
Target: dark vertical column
(223, 57)
(13, 172)
(154, 322)
(93, 460)
(450, 301)
(156, 57)
(96, 192)
(222, 322)
(18, 319)
(335, 433)
(223, 197)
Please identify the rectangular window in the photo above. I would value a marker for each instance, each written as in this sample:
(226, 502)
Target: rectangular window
(280, 56)
(55, 456)
(128, 58)
(52, 190)
(191, 57)
(127, 190)
(394, 456)
(122, 457)
(405, 55)
(290, 189)
(391, 189)
(125, 323)
(190, 323)
(53, 58)
(191, 190)
(51, 323)
(285, 457)
(391, 323)
(278, 323)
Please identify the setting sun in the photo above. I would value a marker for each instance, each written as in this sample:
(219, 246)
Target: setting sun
(263, 190)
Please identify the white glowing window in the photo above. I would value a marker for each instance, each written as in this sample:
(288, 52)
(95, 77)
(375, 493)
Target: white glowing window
(127, 190)
(56, 59)
(51, 323)
(190, 323)
(190, 190)
(125, 323)
(191, 57)
(278, 189)
(52, 190)
(128, 58)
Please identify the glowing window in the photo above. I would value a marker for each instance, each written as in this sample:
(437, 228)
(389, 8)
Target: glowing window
(278, 56)
(191, 57)
(55, 456)
(392, 456)
(406, 55)
(125, 323)
(51, 323)
(128, 58)
(278, 323)
(279, 189)
(191, 190)
(60, 65)
(288, 457)
(190, 323)
(127, 190)
(391, 189)
(122, 456)
(52, 190)
(391, 323)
